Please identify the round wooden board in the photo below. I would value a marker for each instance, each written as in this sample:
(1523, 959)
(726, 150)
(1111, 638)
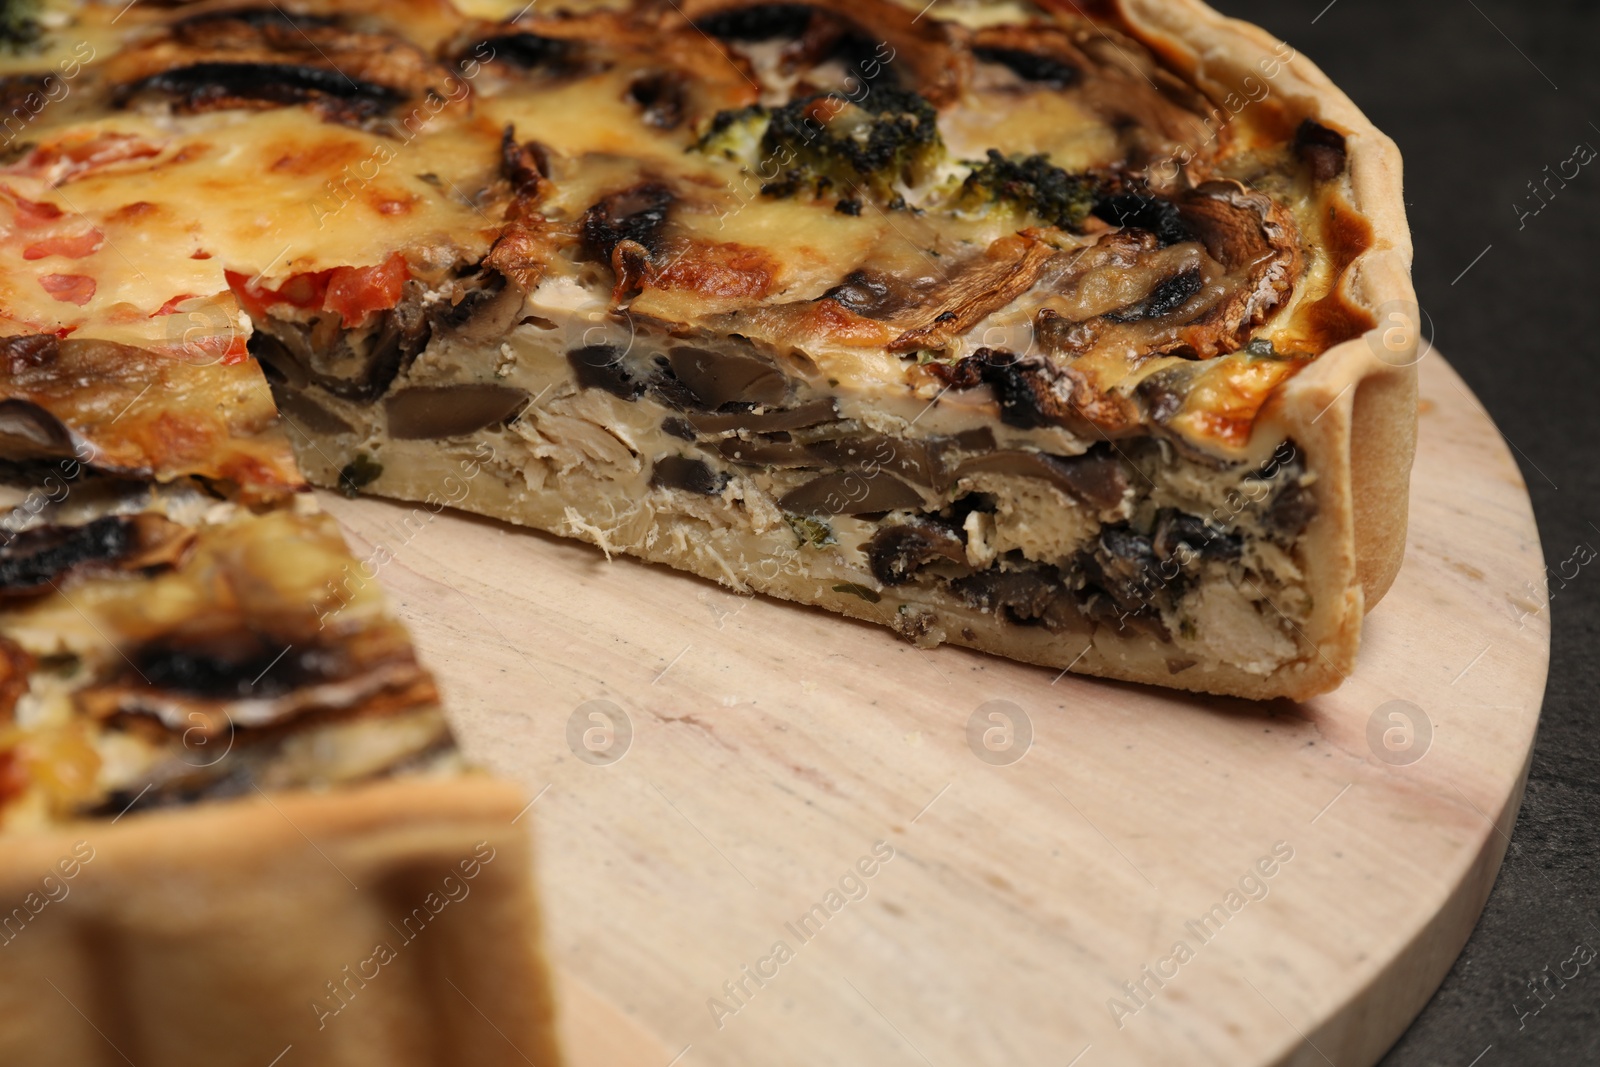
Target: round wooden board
(774, 747)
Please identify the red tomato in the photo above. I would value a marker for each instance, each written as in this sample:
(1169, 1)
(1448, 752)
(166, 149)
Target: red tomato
(73, 247)
(356, 292)
(302, 290)
(31, 213)
(353, 292)
(171, 306)
(62, 162)
(69, 288)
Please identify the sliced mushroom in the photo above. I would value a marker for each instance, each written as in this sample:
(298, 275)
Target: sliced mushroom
(1140, 211)
(531, 51)
(871, 294)
(1123, 566)
(1030, 66)
(661, 97)
(24, 95)
(676, 427)
(217, 85)
(1039, 55)
(1322, 149)
(718, 377)
(523, 250)
(1024, 596)
(1097, 477)
(356, 364)
(40, 558)
(915, 458)
(304, 414)
(429, 412)
(896, 553)
(757, 22)
(28, 351)
(485, 311)
(1291, 510)
(1023, 390)
(874, 38)
(225, 665)
(265, 57)
(795, 418)
(1183, 537)
(637, 214)
(689, 474)
(526, 169)
(1008, 269)
(767, 452)
(28, 431)
(1169, 296)
(604, 367)
(35, 558)
(851, 493)
(1164, 392)
(1255, 239)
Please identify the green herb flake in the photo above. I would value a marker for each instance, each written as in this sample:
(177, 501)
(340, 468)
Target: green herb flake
(358, 474)
(809, 531)
(20, 31)
(858, 590)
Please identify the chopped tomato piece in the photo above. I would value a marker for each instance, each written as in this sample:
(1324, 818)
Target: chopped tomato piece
(73, 247)
(62, 162)
(31, 213)
(302, 290)
(353, 292)
(171, 306)
(69, 288)
(356, 292)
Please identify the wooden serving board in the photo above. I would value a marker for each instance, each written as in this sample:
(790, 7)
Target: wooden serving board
(767, 750)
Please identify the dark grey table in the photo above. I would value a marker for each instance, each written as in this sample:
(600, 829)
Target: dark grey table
(1482, 96)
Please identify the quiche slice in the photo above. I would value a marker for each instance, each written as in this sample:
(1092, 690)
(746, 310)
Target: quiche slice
(233, 819)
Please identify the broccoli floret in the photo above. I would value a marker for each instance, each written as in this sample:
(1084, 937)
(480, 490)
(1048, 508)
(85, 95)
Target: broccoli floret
(734, 134)
(825, 144)
(19, 26)
(1033, 185)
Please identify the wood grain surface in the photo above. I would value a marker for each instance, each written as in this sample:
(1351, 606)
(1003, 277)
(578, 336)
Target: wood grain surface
(1159, 878)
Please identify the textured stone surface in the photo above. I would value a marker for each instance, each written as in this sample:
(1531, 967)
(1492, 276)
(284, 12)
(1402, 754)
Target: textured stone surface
(1482, 95)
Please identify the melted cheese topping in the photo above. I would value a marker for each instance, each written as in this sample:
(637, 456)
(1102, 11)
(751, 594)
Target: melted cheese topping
(131, 214)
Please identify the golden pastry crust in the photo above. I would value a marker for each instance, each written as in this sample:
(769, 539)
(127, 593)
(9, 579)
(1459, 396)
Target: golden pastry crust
(1357, 404)
(384, 924)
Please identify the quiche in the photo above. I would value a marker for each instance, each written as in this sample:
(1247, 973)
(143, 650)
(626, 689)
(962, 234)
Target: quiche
(228, 793)
(1053, 331)
(1077, 333)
